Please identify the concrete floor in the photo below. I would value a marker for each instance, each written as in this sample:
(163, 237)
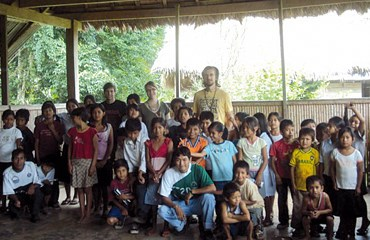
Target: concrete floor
(62, 224)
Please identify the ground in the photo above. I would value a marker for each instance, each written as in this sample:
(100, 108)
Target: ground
(62, 224)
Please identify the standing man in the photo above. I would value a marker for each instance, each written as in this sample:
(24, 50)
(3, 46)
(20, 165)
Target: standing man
(212, 98)
(186, 189)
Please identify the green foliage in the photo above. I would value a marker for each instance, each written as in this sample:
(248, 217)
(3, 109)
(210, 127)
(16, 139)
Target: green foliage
(38, 72)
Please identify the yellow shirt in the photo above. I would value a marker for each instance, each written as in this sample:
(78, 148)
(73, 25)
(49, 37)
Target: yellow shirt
(218, 102)
(305, 164)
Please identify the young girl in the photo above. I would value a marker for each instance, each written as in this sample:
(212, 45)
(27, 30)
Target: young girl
(346, 172)
(133, 112)
(48, 137)
(65, 177)
(105, 147)
(253, 149)
(234, 134)
(269, 186)
(82, 155)
(10, 139)
(274, 124)
(158, 157)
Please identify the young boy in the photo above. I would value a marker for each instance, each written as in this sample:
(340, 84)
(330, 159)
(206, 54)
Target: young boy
(317, 209)
(235, 214)
(304, 163)
(179, 132)
(134, 154)
(194, 141)
(133, 112)
(120, 195)
(250, 196)
(280, 153)
(21, 185)
(46, 173)
(28, 142)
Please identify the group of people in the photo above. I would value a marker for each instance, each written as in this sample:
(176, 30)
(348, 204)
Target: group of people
(140, 160)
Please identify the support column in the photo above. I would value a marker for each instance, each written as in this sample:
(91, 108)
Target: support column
(282, 54)
(4, 61)
(72, 61)
(177, 83)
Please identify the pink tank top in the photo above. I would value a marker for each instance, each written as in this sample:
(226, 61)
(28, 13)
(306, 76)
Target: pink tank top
(158, 158)
(320, 205)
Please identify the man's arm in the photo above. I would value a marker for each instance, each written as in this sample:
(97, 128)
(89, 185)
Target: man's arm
(169, 203)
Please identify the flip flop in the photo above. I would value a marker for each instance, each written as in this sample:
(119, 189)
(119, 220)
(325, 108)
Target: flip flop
(73, 202)
(67, 201)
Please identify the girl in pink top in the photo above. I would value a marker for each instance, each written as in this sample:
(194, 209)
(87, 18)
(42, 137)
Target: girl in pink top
(82, 155)
(158, 157)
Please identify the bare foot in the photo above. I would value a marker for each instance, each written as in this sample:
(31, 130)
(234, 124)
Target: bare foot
(151, 232)
(81, 219)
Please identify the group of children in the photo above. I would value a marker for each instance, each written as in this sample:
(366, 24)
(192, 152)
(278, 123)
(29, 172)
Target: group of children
(247, 165)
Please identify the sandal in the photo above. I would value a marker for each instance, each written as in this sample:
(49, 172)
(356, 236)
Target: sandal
(73, 202)
(67, 201)
(166, 233)
(267, 223)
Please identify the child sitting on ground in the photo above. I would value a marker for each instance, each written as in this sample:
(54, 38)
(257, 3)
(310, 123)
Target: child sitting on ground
(46, 173)
(235, 214)
(316, 209)
(120, 195)
(250, 196)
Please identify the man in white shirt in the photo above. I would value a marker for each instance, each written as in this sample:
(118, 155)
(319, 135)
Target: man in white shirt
(21, 185)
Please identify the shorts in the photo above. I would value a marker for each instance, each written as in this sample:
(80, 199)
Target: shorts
(115, 212)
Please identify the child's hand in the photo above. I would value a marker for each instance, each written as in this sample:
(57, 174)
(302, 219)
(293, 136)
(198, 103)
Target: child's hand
(92, 170)
(46, 182)
(258, 180)
(230, 215)
(358, 191)
(180, 214)
(315, 214)
(311, 214)
(278, 180)
(124, 212)
(141, 178)
(188, 197)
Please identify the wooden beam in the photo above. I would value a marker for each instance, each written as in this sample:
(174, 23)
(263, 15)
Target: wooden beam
(59, 3)
(171, 12)
(21, 38)
(289, 4)
(34, 16)
(72, 61)
(164, 2)
(4, 61)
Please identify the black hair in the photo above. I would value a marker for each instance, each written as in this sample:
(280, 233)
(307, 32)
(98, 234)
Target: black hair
(250, 122)
(305, 122)
(91, 97)
(182, 150)
(219, 127)
(337, 121)
(94, 106)
(80, 112)
(133, 96)
(121, 132)
(132, 106)
(120, 163)
(109, 85)
(192, 122)
(185, 108)
(263, 125)
(158, 120)
(241, 164)
(285, 123)
(133, 125)
(23, 113)
(16, 152)
(321, 127)
(344, 130)
(314, 178)
(72, 100)
(7, 113)
(48, 104)
(207, 115)
(241, 115)
(177, 100)
(307, 131)
(274, 114)
(229, 189)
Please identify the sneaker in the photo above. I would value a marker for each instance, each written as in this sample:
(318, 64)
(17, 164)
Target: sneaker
(118, 225)
(281, 226)
(134, 229)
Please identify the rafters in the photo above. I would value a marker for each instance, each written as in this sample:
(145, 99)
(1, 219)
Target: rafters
(59, 3)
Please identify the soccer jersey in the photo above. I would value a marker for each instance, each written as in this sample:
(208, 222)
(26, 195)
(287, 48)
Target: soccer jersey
(14, 179)
(179, 184)
(305, 164)
(198, 146)
(282, 151)
(221, 159)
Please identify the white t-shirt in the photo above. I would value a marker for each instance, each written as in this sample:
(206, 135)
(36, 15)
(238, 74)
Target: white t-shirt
(134, 154)
(346, 168)
(14, 180)
(8, 139)
(42, 177)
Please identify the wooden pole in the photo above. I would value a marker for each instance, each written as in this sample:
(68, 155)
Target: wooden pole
(72, 61)
(4, 61)
(282, 55)
(177, 83)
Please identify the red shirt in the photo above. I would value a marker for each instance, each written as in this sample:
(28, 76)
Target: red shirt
(48, 144)
(123, 187)
(82, 143)
(282, 151)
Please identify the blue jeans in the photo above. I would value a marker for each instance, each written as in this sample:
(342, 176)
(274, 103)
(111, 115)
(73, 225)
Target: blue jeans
(204, 206)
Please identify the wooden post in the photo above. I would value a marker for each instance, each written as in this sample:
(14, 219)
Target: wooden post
(72, 61)
(4, 61)
(282, 55)
(177, 83)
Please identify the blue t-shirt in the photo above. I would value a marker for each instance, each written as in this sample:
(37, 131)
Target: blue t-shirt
(221, 160)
